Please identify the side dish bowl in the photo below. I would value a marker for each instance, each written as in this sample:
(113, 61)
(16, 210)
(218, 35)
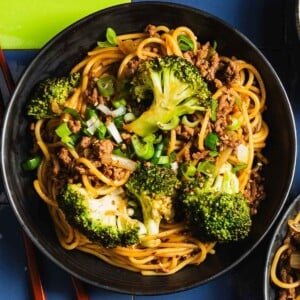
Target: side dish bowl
(57, 58)
(277, 239)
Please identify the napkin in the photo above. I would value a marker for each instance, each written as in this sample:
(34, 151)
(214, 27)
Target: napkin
(30, 24)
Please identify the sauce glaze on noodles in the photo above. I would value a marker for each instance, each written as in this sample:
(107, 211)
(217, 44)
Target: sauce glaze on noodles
(177, 248)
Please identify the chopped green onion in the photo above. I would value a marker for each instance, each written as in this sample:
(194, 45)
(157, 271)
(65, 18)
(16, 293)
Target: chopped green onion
(113, 130)
(120, 111)
(185, 43)
(206, 167)
(74, 138)
(63, 130)
(212, 50)
(32, 163)
(111, 39)
(157, 153)
(143, 149)
(106, 85)
(214, 153)
(188, 170)
(119, 122)
(187, 122)
(111, 36)
(119, 102)
(169, 126)
(65, 134)
(149, 138)
(163, 160)
(235, 124)
(215, 44)
(101, 131)
(73, 112)
(119, 152)
(104, 109)
(92, 124)
(211, 141)
(90, 112)
(128, 117)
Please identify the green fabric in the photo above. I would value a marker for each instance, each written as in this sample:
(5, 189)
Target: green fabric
(29, 24)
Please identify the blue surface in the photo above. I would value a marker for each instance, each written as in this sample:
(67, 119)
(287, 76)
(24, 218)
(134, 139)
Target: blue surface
(270, 25)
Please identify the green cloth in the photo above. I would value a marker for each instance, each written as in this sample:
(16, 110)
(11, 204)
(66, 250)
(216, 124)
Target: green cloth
(29, 24)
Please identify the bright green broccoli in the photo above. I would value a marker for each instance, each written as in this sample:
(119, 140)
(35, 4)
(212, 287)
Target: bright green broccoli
(175, 87)
(154, 188)
(215, 210)
(105, 220)
(50, 95)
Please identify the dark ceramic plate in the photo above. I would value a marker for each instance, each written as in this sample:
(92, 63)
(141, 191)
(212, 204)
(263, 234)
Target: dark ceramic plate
(276, 241)
(66, 49)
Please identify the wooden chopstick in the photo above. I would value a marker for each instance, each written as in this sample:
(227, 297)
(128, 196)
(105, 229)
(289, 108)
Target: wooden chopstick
(6, 73)
(35, 279)
(36, 283)
(80, 289)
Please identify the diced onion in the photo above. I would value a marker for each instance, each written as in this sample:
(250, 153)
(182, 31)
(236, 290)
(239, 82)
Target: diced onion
(123, 162)
(119, 161)
(242, 153)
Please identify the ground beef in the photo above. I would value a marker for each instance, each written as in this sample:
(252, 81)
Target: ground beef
(132, 66)
(74, 125)
(64, 156)
(227, 72)
(151, 30)
(91, 95)
(112, 172)
(101, 147)
(207, 61)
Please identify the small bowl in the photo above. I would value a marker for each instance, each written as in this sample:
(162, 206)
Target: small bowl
(276, 241)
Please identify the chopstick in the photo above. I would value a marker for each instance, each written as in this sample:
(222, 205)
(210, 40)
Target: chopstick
(35, 279)
(6, 73)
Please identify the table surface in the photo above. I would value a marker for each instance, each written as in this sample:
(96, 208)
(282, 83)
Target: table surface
(269, 24)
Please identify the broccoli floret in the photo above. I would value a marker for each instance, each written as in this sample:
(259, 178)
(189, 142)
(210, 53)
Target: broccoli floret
(50, 95)
(154, 188)
(104, 220)
(215, 210)
(176, 88)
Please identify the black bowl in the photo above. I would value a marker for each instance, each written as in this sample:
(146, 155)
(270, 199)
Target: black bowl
(270, 290)
(57, 57)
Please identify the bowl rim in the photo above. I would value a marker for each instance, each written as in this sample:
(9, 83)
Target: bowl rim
(41, 54)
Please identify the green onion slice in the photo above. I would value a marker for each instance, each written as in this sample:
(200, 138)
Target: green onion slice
(32, 163)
